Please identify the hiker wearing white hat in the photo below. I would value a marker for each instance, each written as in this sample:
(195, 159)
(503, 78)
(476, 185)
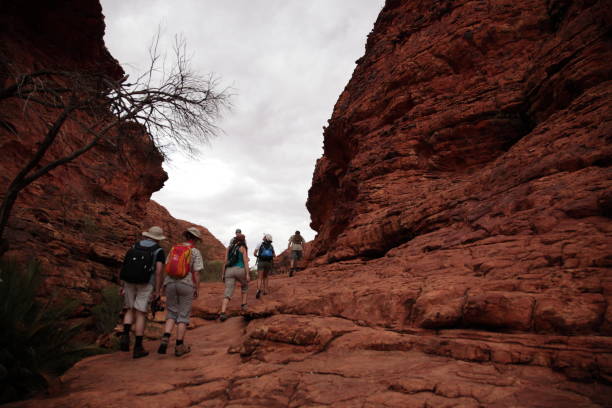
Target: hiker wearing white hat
(181, 283)
(264, 252)
(142, 267)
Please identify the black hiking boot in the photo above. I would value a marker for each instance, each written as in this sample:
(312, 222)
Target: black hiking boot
(140, 352)
(124, 342)
(257, 294)
(163, 346)
(223, 317)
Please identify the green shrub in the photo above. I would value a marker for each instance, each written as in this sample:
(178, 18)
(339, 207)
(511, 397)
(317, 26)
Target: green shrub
(212, 271)
(35, 341)
(107, 313)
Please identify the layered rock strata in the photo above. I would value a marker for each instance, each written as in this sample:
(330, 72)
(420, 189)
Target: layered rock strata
(79, 219)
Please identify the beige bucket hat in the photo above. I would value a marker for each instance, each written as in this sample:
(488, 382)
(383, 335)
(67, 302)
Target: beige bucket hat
(195, 232)
(155, 233)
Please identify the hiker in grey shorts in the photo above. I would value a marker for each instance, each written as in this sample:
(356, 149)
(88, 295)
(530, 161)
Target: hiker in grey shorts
(180, 291)
(235, 269)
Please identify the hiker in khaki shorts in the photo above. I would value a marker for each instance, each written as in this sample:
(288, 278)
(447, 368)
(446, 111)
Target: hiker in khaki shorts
(296, 244)
(141, 268)
(181, 290)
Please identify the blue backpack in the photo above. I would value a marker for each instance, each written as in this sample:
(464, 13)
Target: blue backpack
(266, 251)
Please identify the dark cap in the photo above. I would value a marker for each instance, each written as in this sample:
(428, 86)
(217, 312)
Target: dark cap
(238, 231)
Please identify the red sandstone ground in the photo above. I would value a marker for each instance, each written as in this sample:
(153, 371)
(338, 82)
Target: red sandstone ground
(304, 349)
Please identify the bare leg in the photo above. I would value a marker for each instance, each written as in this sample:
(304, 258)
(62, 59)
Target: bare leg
(140, 323)
(169, 326)
(128, 318)
(224, 305)
(180, 331)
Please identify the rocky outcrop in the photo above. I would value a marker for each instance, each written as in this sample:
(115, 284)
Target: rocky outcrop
(463, 214)
(470, 156)
(79, 219)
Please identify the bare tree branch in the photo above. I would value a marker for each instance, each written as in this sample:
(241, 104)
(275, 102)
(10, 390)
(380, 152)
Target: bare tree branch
(176, 106)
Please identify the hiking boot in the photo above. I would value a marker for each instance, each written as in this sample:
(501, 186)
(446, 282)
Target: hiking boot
(124, 342)
(223, 317)
(291, 273)
(140, 352)
(182, 349)
(257, 294)
(163, 346)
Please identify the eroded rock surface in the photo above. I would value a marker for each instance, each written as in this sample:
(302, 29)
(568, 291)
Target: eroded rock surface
(288, 354)
(463, 259)
(79, 219)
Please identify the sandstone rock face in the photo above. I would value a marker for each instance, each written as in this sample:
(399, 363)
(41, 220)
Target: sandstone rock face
(79, 219)
(463, 258)
(470, 156)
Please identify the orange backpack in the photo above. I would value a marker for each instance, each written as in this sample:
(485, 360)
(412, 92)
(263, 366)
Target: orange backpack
(179, 261)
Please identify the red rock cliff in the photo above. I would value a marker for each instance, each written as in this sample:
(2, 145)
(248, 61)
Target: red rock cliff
(79, 219)
(474, 140)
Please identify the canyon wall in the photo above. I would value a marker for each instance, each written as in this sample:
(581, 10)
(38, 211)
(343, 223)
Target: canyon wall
(471, 150)
(79, 219)
(464, 243)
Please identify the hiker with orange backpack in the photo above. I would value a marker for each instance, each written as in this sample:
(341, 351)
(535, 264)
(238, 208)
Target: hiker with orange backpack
(181, 282)
(235, 269)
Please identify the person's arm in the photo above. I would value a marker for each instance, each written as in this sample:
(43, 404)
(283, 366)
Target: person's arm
(224, 264)
(245, 261)
(121, 288)
(198, 265)
(159, 266)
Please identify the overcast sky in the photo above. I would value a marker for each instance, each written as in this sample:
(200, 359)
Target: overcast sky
(287, 61)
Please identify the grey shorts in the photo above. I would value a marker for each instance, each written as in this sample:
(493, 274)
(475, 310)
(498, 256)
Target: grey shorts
(137, 295)
(265, 267)
(296, 255)
(233, 274)
(179, 297)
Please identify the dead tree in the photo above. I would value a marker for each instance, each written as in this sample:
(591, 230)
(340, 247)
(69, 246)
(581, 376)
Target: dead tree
(176, 107)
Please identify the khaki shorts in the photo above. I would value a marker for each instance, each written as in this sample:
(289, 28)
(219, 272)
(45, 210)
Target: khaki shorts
(265, 267)
(296, 255)
(233, 274)
(179, 297)
(137, 295)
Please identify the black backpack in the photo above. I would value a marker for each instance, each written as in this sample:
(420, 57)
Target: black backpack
(232, 255)
(139, 264)
(266, 251)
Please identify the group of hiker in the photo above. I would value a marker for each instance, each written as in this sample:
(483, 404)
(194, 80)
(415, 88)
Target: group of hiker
(147, 273)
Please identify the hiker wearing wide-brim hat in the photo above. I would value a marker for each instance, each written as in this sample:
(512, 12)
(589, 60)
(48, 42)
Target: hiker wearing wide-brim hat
(235, 269)
(142, 266)
(181, 283)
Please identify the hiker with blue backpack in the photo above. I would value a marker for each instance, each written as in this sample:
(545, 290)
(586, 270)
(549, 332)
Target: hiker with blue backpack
(181, 283)
(264, 252)
(141, 270)
(235, 269)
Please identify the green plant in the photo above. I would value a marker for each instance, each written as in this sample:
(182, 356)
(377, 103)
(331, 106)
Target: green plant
(35, 342)
(212, 271)
(106, 314)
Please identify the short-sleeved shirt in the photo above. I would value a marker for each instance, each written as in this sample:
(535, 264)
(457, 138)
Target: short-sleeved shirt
(296, 242)
(159, 257)
(197, 264)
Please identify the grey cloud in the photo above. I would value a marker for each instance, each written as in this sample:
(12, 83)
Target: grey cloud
(287, 61)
